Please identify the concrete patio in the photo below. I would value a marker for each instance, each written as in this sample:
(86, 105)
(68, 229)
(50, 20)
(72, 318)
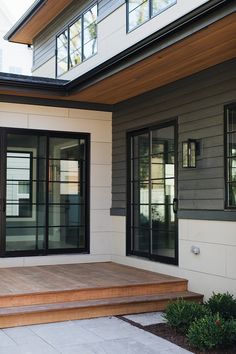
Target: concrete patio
(105, 335)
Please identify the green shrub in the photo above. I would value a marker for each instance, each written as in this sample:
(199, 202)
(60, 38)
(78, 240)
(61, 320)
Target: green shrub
(180, 314)
(224, 304)
(212, 332)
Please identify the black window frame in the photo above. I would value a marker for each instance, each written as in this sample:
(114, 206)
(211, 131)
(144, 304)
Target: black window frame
(129, 135)
(67, 28)
(46, 251)
(150, 14)
(227, 133)
(29, 215)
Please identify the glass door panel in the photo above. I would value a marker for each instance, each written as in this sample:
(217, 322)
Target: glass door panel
(152, 221)
(25, 209)
(66, 193)
(43, 192)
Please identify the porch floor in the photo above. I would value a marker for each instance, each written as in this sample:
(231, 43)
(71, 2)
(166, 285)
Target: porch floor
(23, 280)
(43, 294)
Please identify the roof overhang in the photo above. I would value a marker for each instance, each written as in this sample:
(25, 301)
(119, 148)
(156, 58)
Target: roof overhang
(38, 16)
(195, 42)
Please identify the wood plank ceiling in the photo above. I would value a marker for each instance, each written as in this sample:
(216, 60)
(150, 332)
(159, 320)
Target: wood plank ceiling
(43, 16)
(208, 47)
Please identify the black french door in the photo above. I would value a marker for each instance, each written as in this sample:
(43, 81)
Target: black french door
(152, 230)
(44, 192)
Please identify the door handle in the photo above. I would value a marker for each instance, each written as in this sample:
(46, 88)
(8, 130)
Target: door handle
(175, 205)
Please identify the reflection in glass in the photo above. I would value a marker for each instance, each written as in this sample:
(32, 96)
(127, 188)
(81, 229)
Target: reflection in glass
(152, 218)
(66, 237)
(138, 14)
(45, 186)
(141, 240)
(163, 243)
(161, 5)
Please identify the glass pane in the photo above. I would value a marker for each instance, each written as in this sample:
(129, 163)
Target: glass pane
(141, 216)
(158, 192)
(25, 215)
(62, 53)
(65, 193)
(161, 5)
(141, 145)
(232, 194)
(134, 3)
(67, 214)
(163, 243)
(141, 240)
(62, 40)
(90, 32)
(75, 58)
(66, 237)
(163, 140)
(64, 171)
(232, 169)
(232, 144)
(75, 31)
(158, 168)
(62, 66)
(163, 217)
(231, 120)
(139, 15)
(144, 193)
(141, 169)
(24, 239)
(90, 16)
(90, 49)
(66, 149)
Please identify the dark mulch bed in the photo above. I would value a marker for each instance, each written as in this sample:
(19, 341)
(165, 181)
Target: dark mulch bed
(164, 331)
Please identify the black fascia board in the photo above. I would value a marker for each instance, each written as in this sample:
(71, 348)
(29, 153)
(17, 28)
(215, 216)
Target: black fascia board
(24, 19)
(56, 103)
(9, 80)
(146, 44)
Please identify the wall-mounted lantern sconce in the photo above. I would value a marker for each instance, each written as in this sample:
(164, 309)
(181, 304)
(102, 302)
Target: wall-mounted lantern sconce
(190, 150)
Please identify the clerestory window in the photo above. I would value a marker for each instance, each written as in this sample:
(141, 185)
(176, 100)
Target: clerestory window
(77, 42)
(140, 11)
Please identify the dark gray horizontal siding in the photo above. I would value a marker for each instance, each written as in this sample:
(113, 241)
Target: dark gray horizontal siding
(197, 103)
(44, 43)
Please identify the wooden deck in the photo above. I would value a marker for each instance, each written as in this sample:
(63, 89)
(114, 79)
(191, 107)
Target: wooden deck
(45, 294)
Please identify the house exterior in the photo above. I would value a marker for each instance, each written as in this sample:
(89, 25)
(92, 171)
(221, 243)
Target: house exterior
(122, 145)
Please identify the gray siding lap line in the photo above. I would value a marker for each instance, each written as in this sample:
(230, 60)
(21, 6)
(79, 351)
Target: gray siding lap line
(44, 43)
(198, 102)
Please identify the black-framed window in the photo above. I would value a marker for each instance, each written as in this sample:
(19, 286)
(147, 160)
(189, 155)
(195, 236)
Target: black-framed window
(44, 192)
(19, 184)
(230, 155)
(151, 192)
(77, 42)
(140, 11)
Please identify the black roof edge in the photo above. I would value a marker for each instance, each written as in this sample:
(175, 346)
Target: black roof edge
(86, 79)
(26, 16)
(56, 103)
(32, 82)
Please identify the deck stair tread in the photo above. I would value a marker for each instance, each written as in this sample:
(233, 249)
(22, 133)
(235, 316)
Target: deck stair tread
(100, 302)
(45, 294)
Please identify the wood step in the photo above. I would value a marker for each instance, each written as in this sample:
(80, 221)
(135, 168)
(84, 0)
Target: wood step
(73, 310)
(49, 297)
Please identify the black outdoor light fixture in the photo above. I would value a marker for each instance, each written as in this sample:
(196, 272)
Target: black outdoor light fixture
(190, 150)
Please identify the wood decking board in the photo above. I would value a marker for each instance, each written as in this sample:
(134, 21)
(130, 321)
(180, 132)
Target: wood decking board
(43, 294)
(24, 280)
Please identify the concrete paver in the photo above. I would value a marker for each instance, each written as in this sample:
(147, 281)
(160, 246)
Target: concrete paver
(107, 335)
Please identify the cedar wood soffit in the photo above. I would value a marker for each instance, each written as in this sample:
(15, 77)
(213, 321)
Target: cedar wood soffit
(199, 40)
